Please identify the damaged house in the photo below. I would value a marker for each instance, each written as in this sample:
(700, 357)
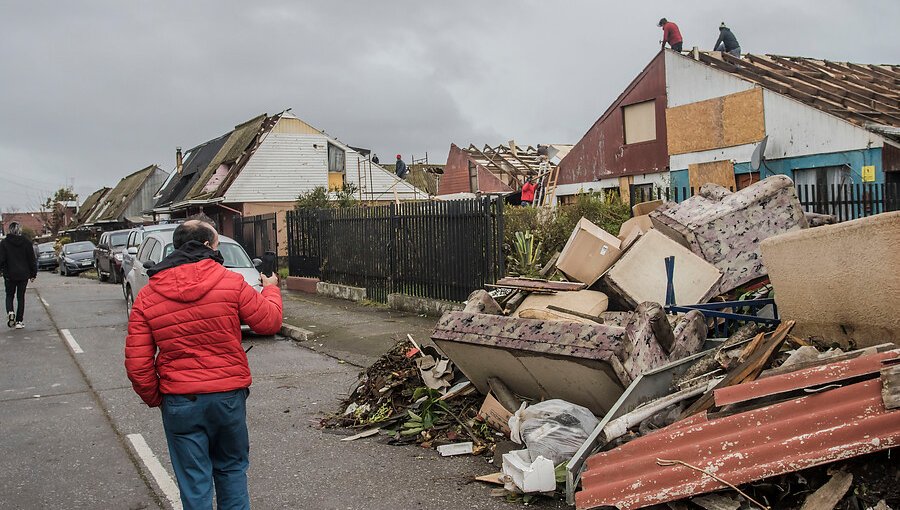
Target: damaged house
(124, 205)
(263, 165)
(696, 118)
(500, 170)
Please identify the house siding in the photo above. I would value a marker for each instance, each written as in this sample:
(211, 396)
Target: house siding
(143, 199)
(602, 153)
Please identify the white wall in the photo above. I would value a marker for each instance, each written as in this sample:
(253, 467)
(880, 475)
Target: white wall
(284, 165)
(689, 81)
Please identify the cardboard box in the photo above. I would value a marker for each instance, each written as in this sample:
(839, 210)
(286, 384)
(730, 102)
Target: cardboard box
(645, 208)
(494, 414)
(588, 253)
(640, 224)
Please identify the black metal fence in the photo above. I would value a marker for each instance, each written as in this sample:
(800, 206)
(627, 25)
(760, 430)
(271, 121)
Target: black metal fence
(850, 201)
(441, 250)
(846, 202)
(257, 234)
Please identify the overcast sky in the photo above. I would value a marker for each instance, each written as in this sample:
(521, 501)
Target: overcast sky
(92, 91)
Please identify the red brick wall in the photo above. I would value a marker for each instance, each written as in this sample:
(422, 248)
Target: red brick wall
(456, 176)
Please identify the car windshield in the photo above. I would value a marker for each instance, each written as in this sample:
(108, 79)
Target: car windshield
(46, 248)
(234, 255)
(118, 239)
(79, 247)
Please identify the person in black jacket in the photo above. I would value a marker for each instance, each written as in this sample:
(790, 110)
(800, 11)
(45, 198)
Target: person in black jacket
(18, 264)
(727, 42)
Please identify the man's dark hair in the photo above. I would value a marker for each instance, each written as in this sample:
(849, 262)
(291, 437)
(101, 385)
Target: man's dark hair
(192, 230)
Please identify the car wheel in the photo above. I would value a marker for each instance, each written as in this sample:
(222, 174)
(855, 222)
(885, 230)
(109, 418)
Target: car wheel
(129, 302)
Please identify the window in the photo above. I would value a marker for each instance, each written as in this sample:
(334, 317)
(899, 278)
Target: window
(641, 193)
(336, 159)
(144, 253)
(156, 253)
(815, 185)
(640, 122)
(612, 191)
(473, 177)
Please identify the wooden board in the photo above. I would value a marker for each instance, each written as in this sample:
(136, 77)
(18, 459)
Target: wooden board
(726, 121)
(717, 172)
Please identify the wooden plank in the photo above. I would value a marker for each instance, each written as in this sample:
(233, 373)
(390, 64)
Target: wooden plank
(746, 371)
(828, 495)
(890, 387)
(538, 284)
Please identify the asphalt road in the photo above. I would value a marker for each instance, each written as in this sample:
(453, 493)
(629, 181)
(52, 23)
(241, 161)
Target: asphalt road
(74, 435)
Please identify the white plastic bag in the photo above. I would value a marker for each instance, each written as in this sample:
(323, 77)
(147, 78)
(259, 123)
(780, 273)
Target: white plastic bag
(553, 429)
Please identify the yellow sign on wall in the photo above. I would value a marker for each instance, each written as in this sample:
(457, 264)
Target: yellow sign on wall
(868, 173)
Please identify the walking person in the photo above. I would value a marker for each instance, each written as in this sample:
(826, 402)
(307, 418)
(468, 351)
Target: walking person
(18, 264)
(727, 42)
(183, 353)
(671, 35)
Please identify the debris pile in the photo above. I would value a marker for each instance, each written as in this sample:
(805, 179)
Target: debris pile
(661, 372)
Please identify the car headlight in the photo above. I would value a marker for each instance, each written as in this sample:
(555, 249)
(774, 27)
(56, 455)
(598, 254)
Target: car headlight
(118, 256)
(69, 260)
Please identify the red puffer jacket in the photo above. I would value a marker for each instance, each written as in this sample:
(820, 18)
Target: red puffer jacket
(192, 314)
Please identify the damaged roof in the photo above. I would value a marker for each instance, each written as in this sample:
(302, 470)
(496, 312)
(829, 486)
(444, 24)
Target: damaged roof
(114, 204)
(211, 167)
(90, 203)
(832, 412)
(864, 94)
(518, 161)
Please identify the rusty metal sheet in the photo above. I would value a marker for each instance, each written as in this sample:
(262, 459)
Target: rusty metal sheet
(806, 378)
(781, 438)
(528, 283)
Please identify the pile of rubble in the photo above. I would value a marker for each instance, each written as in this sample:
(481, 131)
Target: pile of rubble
(663, 372)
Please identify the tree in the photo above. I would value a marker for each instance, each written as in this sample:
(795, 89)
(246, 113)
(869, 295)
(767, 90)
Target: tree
(53, 210)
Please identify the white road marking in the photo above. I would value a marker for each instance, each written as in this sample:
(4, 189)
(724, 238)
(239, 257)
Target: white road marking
(71, 341)
(165, 482)
(46, 304)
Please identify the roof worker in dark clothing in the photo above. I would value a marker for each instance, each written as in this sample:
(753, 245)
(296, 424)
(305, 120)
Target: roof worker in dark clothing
(18, 264)
(400, 168)
(727, 42)
(671, 34)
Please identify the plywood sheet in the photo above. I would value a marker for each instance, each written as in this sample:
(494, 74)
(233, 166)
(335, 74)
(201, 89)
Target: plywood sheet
(625, 187)
(726, 121)
(743, 118)
(640, 122)
(717, 172)
(295, 126)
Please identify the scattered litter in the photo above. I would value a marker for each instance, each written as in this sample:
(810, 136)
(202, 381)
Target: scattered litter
(526, 475)
(365, 433)
(448, 450)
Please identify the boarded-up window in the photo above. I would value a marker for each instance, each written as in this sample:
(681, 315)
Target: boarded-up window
(640, 122)
(336, 159)
(716, 172)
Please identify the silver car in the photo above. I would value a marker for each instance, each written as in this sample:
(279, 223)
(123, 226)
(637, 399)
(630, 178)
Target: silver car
(135, 238)
(157, 245)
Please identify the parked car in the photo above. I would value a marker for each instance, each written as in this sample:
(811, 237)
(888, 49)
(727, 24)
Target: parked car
(135, 238)
(158, 244)
(74, 258)
(108, 255)
(46, 256)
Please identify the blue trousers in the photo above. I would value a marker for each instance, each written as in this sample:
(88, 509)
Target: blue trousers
(209, 443)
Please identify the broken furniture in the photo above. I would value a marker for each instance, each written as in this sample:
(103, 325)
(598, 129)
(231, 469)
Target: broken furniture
(586, 302)
(640, 275)
(586, 364)
(588, 253)
(726, 228)
(844, 416)
(839, 282)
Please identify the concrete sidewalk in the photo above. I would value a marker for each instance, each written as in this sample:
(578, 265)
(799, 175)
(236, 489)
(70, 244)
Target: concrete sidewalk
(354, 332)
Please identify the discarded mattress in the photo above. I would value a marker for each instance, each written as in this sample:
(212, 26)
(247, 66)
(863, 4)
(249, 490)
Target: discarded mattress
(640, 275)
(589, 302)
(780, 438)
(829, 279)
(586, 364)
(726, 228)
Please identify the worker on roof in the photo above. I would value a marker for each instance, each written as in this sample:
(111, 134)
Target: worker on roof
(528, 192)
(400, 168)
(671, 34)
(727, 42)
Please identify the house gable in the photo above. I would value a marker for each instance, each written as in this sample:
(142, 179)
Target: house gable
(602, 151)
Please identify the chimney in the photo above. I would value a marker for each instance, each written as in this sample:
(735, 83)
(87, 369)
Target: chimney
(178, 161)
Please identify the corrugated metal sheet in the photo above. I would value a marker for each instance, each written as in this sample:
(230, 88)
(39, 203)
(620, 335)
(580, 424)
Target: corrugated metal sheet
(781, 438)
(807, 378)
(131, 196)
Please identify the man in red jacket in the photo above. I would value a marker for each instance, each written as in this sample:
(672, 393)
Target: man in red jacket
(183, 353)
(671, 35)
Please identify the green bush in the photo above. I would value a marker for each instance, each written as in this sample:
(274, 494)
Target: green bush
(552, 227)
